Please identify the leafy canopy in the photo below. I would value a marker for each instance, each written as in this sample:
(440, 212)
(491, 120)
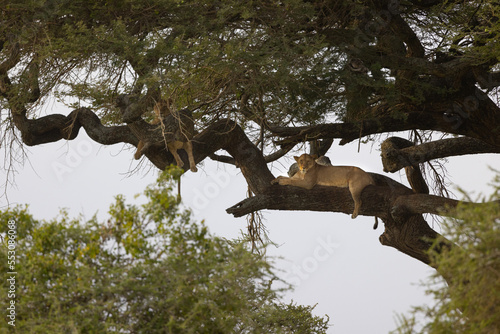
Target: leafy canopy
(146, 269)
(193, 51)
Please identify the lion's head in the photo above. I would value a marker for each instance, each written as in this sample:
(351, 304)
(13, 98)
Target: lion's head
(305, 162)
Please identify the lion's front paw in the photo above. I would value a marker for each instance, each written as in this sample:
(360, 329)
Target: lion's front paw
(277, 180)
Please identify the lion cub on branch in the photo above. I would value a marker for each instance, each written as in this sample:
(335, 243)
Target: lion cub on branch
(311, 174)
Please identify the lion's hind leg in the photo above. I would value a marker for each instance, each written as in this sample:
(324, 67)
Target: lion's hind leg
(356, 190)
(173, 147)
(188, 146)
(138, 152)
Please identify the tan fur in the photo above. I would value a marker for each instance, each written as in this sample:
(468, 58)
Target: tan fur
(142, 145)
(183, 134)
(311, 174)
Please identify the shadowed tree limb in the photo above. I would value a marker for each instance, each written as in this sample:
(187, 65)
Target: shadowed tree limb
(268, 158)
(224, 134)
(353, 130)
(394, 158)
(55, 127)
(387, 199)
(396, 205)
(474, 115)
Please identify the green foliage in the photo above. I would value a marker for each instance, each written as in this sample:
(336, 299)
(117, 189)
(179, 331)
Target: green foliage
(90, 51)
(279, 61)
(470, 302)
(470, 31)
(147, 269)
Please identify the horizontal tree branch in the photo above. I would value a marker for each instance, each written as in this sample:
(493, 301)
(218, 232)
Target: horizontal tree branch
(399, 208)
(224, 134)
(388, 199)
(393, 159)
(350, 131)
(55, 127)
(474, 116)
(223, 158)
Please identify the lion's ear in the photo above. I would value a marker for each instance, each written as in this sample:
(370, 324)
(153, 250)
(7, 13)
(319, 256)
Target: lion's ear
(314, 156)
(296, 158)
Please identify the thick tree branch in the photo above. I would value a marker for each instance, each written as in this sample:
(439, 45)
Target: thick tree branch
(393, 159)
(321, 198)
(388, 199)
(223, 158)
(474, 115)
(398, 206)
(226, 135)
(354, 130)
(406, 33)
(55, 127)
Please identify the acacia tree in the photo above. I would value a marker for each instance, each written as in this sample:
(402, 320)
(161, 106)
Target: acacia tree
(262, 77)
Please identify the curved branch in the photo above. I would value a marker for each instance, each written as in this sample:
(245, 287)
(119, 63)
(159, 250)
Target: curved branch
(268, 158)
(279, 153)
(474, 115)
(406, 33)
(350, 131)
(224, 134)
(395, 158)
(55, 127)
(227, 135)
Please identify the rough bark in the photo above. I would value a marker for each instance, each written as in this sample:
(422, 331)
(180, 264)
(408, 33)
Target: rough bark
(55, 127)
(390, 147)
(395, 158)
(470, 113)
(396, 205)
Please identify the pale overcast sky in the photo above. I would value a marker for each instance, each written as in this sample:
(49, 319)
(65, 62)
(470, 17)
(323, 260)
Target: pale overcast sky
(334, 261)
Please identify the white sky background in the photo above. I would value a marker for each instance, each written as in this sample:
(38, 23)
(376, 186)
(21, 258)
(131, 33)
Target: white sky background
(334, 261)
